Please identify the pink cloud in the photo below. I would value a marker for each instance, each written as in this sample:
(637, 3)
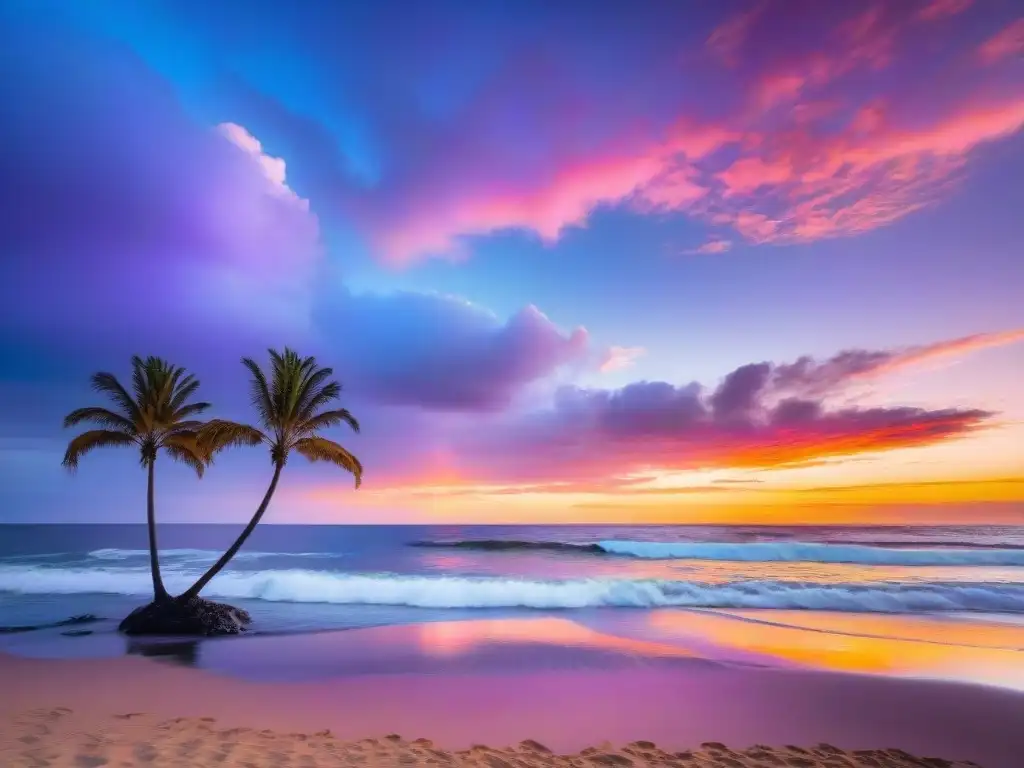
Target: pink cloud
(803, 156)
(617, 358)
(812, 378)
(565, 199)
(728, 38)
(714, 245)
(941, 9)
(1004, 44)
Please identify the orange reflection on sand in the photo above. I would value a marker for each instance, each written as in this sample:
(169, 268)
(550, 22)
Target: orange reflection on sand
(451, 638)
(717, 571)
(899, 646)
(965, 633)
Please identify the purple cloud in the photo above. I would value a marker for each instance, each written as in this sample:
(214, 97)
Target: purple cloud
(442, 352)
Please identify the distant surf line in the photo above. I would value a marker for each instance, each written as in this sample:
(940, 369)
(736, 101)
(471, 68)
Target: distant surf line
(754, 552)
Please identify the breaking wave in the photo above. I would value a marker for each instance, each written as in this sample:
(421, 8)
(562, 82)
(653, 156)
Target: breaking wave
(306, 586)
(757, 552)
(196, 554)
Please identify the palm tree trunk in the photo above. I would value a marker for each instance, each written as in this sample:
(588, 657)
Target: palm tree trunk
(159, 591)
(195, 589)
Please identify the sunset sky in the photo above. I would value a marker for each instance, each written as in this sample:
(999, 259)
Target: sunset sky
(580, 261)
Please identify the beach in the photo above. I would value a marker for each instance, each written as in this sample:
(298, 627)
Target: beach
(135, 712)
(705, 647)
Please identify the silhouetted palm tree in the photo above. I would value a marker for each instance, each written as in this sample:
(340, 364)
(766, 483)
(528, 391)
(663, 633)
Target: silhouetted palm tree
(154, 418)
(289, 402)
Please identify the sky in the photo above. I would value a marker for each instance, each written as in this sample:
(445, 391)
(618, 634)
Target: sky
(739, 262)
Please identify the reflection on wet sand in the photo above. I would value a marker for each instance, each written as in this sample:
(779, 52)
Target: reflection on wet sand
(897, 646)
(184, 652)
(451, 638)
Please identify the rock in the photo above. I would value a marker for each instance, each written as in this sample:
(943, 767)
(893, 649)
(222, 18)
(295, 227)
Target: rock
(196, 616)
(77, 632)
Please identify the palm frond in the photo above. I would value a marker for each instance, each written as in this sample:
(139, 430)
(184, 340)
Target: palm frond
(316, 400)
(89, 441)
(102, 417)
(219, 434)
(309, 386)
(282, 369)
(187, 449)
(326, 419)
(189, 409)
(322, 449)
(182, 427)
(262, 400)
(140, 380)
(183, 391)
(107, 384)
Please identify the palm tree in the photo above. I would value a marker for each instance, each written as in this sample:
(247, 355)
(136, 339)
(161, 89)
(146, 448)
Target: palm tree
(154, 418)
(289, 401)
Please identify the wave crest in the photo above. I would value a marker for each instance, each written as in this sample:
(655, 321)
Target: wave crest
(304, 586)
(763, 552)
(756, 552)
(197, 554)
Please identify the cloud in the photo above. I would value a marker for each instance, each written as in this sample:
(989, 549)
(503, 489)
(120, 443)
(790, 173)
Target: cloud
(170, 237)
(617, 358)
(810, 378)
(728, 38)
(714, 245)
(793, 125)
(1005, 44)
(802, 156)
(760, 416)
(105, 175)
(934, 10)
(442, 352)
(650, 427)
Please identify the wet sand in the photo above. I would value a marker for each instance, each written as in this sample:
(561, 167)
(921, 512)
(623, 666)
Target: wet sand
(133, 711)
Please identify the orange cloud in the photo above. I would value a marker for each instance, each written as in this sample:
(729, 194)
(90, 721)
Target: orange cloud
(951, 348)
(1004, 44)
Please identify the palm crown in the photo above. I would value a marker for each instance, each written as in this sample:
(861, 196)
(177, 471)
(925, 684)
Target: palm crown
(154, 417)
(290, 405)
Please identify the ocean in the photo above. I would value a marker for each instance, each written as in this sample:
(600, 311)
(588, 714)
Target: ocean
(597, 595)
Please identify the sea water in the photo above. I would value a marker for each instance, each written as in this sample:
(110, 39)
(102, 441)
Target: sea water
(655, 587)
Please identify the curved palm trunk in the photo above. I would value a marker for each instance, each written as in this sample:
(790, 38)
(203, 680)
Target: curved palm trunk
(159, 591)
(196, 588)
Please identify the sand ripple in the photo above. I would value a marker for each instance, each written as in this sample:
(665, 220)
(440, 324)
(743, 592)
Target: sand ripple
(56, 738)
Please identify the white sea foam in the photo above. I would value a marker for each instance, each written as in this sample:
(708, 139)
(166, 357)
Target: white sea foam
(305, 586)
(197, 554)
(762, 552)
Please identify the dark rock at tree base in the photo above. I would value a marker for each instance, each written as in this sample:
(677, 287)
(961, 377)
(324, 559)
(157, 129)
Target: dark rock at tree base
(195, 617)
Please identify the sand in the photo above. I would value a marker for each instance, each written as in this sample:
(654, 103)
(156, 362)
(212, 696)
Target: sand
(132, 711)
(59, 737)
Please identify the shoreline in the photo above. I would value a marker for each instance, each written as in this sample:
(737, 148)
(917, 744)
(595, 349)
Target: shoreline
(677, 708)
